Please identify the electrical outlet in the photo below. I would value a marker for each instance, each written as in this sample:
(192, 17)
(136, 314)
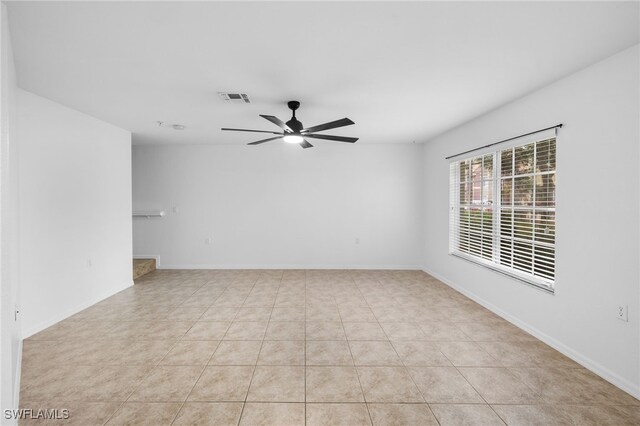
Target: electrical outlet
(207, 241)
(622, 313)
(357, 241)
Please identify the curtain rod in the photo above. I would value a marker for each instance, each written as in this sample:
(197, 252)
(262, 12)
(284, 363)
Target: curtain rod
(505, 140)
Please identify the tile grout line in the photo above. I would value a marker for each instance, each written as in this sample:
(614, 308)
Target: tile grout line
(404, 365)
(255, 367)
(203, 368)
(354, 361)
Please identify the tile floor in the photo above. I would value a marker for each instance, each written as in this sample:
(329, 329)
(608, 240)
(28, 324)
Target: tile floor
(312, 347)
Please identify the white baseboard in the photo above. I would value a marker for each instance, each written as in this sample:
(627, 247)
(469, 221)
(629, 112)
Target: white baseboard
(343, 267)
(79, 307)
(16, 383)
(585, 361)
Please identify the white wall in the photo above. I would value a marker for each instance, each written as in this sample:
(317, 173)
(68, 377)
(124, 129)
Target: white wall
(75, 210)
(9, 297)
(277, 205)
(597, 216)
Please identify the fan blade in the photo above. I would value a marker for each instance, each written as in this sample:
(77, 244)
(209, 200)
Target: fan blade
(255, 131)
(332, 138)
(264, 140)
(326, 126)
(306, 144)
(277, 122)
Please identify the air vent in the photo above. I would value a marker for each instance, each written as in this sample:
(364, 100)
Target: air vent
(235, 98)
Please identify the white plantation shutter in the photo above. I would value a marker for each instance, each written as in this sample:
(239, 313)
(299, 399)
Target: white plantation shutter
(502, 208)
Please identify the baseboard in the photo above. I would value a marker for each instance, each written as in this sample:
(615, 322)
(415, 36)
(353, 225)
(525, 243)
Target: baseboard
(586, 362)
(342, 267)
(16, 383)
(81, 306)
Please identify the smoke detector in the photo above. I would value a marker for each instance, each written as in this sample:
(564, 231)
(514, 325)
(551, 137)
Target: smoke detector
(235, 98)
(173, 126)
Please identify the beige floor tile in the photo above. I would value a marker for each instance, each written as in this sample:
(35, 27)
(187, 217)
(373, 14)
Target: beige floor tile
(149, 342)
(388, 384)
(388, 313)
(444, 385)
(236, 352)
(571, 386)
(632, 412)
(373, 353)
(192, 352)
(327, 352)
(259, 301)
(294, 313)
(420, 354)
(165, 330)
(145, 413)
(527, 354)
(467, 354)
(495, 331)
(401, 414)
(356, 314)
(207, 330)
(499, 386)
(229, 301)
(465, 415)
(137, 352)
(583, 415)
(186, 313)
(333, 384)
(253, 314)
(204, 302)
(167, 384)
(285, 330)
(277, 384)
(222, 383)
(273, 414)
(282, 352)
(440, 331)
(246, 330)
(337, 415)
(290, 301)
(325, 330)
(219, 314)
(399, 331)
(209, 413)
(534, 415)
(364, 331)
(322, 313)
(106, 383)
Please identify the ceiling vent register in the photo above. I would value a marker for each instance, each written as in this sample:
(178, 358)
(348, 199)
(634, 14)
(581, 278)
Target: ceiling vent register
(235, 98)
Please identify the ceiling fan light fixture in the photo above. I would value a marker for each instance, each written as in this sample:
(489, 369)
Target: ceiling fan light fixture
(294, 132)
(293, 138)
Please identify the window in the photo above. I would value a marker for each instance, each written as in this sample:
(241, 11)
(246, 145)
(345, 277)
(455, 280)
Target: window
(503, 209)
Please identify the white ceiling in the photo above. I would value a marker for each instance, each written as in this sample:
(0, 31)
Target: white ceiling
(402, 71)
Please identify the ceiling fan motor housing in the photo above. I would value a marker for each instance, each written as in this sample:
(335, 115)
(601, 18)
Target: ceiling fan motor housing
(295, 125)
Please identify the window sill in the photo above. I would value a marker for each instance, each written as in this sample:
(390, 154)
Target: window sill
(532, 281)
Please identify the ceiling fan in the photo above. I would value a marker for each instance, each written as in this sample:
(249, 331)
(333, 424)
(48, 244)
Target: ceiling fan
(294, 132)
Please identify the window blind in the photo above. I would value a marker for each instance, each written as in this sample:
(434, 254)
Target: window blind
(502, 209)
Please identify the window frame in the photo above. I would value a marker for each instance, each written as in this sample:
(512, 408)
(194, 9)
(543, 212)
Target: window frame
(497, 208)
